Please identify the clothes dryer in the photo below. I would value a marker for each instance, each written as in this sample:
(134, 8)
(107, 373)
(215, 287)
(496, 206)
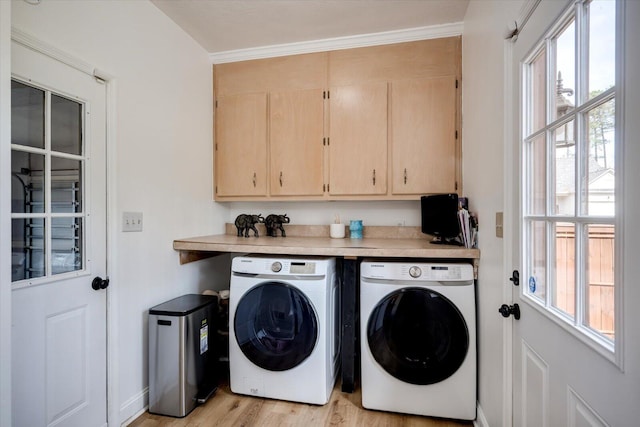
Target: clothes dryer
(284, 340)
(418, 338)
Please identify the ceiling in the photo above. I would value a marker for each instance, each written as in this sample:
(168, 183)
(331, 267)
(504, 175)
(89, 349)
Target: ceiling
(232, 25)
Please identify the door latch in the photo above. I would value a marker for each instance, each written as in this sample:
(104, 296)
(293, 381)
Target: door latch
(515, 278)
(508, 310)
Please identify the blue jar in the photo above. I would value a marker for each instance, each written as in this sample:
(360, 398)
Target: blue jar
(355, 228)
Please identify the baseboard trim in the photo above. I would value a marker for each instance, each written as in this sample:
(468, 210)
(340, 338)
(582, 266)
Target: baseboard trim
(481, 420)
(135, 406)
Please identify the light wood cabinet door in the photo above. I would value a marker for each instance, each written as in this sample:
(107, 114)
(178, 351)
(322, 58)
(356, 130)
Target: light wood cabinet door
(241, 145)
(296, 147)
(423, 135)
(358, 140)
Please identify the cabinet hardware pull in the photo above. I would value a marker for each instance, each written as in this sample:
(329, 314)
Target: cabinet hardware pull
(405, 175)
(254, 179)
(374, 177)
(280, 178)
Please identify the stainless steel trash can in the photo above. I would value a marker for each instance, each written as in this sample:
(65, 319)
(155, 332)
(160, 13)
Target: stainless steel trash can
(182, 357)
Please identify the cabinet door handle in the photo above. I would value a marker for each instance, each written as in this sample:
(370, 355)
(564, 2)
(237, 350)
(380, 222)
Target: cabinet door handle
(405, 175)
(254, 179)
(374, 177)
(280, 178)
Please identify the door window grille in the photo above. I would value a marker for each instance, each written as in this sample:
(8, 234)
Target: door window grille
(47, 177)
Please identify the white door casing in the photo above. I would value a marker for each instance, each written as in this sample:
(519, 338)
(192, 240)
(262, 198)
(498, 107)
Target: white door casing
(59, 336)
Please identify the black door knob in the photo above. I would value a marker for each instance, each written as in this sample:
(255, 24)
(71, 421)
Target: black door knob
(508, 310)
(99, 283)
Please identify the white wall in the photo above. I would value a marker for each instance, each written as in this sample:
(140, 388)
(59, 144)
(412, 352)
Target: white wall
(163, 159)
(405, 213)
(484, 177)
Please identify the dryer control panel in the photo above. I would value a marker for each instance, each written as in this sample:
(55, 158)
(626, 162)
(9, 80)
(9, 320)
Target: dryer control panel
(429, 272)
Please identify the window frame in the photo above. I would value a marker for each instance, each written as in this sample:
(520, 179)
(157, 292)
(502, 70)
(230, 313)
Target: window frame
(577, 324)
(48, 215)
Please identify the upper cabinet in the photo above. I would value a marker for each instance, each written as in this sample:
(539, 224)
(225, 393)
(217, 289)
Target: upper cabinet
(379, 122)
(269, 127)
(423, 136)
(296, 143)
(241, 145)
(358, 140)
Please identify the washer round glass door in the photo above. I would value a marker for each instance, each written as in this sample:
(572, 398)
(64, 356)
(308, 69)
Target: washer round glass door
(418, 336)
(276, 326)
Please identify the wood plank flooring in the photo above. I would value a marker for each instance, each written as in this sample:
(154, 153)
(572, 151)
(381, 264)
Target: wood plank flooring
(344, 409)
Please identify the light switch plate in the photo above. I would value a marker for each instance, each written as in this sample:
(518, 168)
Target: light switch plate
(131, 221)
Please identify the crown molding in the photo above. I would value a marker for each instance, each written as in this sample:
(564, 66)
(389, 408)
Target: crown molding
(388, 37)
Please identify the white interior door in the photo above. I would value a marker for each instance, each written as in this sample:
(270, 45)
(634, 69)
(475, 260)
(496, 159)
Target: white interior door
(58, 243)
(567, 343)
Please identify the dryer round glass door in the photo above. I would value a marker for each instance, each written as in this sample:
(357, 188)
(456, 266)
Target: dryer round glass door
(276, 326)
(418, 336)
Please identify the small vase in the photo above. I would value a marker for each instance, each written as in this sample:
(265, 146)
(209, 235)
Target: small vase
(355, 228)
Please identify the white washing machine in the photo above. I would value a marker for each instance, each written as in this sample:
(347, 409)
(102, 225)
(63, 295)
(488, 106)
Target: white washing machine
(418, 338)
(284, 340)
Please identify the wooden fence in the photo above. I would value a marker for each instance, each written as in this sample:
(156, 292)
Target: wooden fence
(600, 276)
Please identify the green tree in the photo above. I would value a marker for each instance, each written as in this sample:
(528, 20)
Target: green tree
(601, 126)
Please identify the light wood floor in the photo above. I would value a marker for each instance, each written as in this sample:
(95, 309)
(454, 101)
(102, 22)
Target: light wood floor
(344, 409)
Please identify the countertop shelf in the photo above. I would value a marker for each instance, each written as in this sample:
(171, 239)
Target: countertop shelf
(384, 242)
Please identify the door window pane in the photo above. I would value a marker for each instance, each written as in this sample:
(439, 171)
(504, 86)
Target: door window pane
(602, 46)
(66, 194)
(564, 170)
(66, 125)
(600, 279)
(536, 284)
(27, 115)
(565, 284)
(565, 62)
(600, 177)
(27, 182)
(537, 182)
(66, 245)
(537, 104)
(27, 248)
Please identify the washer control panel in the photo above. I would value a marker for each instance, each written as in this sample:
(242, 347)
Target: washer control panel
(415, 272)
(282, 266)
(306, 267)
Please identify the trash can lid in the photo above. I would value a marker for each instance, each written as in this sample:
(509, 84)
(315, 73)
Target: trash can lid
(183, 305)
